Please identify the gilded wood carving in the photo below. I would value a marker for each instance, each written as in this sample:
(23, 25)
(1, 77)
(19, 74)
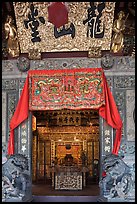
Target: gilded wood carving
(89, 25)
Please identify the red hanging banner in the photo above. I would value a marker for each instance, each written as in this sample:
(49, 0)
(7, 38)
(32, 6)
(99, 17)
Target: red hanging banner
(110, 113)
(72, 89)
(20, 114)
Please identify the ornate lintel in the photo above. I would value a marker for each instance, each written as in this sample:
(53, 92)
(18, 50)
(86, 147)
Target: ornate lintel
(94, 52)
(77, 35)
(34, 54)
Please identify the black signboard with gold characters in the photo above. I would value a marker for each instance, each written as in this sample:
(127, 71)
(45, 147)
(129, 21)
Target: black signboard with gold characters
(89, 26)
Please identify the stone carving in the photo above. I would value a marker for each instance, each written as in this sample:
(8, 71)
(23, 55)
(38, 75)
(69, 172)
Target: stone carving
(131, 149)
(125, 63)
(64, 63)
(9, 84)
(129, 45)
(11, 102)
(134, 115)
(120, 97)
(15, 178)
(124, 81)
(21, 83)
(133, 49)
(23, 64)
(4, 120)
(130, 105)
(8, 66)
(107, 61)
(4, 149)
(110, 81)
(119, 179)
(127, 149)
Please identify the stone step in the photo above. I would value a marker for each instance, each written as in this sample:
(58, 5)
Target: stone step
(65, 199)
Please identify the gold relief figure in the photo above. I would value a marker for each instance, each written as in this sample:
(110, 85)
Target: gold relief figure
(11, 37)
(118, 37)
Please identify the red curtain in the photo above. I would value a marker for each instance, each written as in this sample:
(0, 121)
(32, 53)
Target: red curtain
(21, 114)
(108, 111)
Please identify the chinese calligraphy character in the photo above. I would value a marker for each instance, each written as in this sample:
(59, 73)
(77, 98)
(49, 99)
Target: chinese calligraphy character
(24, 133)
(34, 23)
(95, 26)
(23, 148)
(65, 31)
(107, 140)
(107, 148)
(23, 140)
(107, 132)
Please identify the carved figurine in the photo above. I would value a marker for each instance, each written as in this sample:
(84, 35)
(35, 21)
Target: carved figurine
(16, 182)
(11, 37)
(118, 181)
(118, 37)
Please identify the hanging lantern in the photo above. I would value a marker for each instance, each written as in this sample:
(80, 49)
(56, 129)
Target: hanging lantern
(58, 14)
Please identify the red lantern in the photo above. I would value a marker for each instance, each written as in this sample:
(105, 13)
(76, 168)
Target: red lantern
(58, 14)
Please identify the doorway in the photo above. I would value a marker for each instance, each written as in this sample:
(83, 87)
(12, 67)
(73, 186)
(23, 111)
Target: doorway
(65, 139)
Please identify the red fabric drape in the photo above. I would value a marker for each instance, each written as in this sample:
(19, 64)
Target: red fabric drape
(73, 89)
(110, 113)
(21, 114)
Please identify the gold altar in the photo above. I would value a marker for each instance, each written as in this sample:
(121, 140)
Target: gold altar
(65, 146)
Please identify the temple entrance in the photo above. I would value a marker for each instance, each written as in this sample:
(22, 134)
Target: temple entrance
(65, 152)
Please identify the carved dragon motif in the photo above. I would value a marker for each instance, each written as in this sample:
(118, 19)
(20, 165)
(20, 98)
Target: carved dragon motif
(15, 178)
(118, 181)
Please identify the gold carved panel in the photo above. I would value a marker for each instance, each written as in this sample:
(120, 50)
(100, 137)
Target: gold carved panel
(34, 158)
(52, 39)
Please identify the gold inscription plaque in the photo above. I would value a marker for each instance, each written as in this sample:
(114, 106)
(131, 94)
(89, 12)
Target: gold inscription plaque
(89, 25)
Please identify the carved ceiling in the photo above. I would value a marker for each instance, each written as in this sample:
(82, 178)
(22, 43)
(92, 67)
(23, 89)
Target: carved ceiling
(67, 117)
(129, 31)
(66, 124)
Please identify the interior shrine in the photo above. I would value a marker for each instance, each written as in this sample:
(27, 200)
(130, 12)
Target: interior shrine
(72, 137)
